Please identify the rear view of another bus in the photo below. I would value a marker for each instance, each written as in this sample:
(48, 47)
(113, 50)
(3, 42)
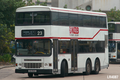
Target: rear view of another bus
(114, 41)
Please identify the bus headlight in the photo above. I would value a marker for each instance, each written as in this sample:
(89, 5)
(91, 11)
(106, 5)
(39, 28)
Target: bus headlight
(46, 64)
(20, 64)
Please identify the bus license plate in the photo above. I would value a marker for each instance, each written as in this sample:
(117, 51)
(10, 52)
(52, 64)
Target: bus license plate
(32, 70)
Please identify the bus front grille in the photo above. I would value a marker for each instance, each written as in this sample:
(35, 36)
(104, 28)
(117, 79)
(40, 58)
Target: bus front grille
(32, 65)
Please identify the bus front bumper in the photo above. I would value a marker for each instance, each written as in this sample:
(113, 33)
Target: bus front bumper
(38, 71)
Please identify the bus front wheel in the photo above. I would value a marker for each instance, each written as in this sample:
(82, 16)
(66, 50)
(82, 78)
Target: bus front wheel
(30, 74)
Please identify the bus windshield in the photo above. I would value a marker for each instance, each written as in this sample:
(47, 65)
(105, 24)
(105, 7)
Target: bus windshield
(111, 27)
(112, 46)
(33, 47)
(114, 28)
(117, 28)
(33, 18)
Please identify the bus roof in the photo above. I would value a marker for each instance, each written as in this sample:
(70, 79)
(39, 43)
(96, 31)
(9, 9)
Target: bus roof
(114, 22)
(47, 8)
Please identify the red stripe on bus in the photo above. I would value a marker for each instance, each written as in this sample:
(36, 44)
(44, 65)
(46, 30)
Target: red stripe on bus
(77, 11)
(117, 22)
(62, 37)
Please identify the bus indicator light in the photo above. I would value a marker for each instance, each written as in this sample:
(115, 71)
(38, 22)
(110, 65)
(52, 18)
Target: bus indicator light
(16, 64)
(50, 64)
(114, 56)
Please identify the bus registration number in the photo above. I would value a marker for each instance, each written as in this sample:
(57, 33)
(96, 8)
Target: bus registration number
(32, 70)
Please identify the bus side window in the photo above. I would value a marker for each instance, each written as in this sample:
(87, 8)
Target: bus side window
(64, 47)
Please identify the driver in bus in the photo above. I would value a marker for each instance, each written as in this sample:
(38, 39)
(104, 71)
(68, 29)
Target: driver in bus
(29, 48)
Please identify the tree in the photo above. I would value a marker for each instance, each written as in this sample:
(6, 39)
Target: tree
(7, 11)
(43, 3)
(113, 14)
(65, 6)
(29, 2)
(37, 2)
(6, 35)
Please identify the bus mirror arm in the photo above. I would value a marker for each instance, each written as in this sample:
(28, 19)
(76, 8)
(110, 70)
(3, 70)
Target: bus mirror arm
(14, 56)
(52, 45)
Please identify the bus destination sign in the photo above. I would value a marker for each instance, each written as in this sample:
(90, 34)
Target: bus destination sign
(26, 33)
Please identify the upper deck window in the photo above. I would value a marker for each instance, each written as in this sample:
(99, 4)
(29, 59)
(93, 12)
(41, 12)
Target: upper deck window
(63, 19)
(33, 18)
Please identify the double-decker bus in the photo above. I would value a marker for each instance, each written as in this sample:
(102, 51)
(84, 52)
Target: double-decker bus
(60, 41)
(114, 41)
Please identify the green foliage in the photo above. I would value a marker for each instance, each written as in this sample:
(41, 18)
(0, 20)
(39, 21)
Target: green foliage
(113, 15)
(5, 58)
(7, 21)
(7, 10)
(29, 2)
(12, 50)
(6, 35)
(37, 2)
(1, 58)
(65, 6)
(43, 3)
(78, 8)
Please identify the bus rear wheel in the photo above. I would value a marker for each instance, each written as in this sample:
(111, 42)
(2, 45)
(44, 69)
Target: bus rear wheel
(88, 67)
(30, 74)
(64, 69)
(97, 66)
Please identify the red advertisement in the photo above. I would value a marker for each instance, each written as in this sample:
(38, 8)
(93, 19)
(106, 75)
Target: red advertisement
(74, 30)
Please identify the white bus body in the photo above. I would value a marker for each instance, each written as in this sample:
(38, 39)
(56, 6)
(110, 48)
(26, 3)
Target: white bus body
(72, 41)
(114, 41)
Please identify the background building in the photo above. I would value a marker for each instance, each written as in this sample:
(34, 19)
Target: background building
(104, 5)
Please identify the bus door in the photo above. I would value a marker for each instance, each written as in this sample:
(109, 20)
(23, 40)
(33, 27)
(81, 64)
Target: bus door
(74, 55)
(118, 50)
(55, 55)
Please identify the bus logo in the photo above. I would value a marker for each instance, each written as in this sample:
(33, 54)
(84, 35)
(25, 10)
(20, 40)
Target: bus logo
(74, 31)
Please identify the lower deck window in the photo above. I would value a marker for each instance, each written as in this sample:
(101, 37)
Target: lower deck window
(91, 46)
(64, 46)
(82, 47)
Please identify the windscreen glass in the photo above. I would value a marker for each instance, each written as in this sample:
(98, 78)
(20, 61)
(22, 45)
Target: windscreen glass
(33, 47)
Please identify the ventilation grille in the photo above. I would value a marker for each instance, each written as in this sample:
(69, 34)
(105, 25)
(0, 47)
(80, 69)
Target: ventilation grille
(32, 65)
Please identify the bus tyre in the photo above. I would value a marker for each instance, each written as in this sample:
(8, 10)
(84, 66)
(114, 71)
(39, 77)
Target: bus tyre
(88, 67)
(97, 66)
(64, 69)
(30, 74)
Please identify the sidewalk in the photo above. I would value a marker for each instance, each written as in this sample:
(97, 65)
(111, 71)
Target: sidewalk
(6, 66)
